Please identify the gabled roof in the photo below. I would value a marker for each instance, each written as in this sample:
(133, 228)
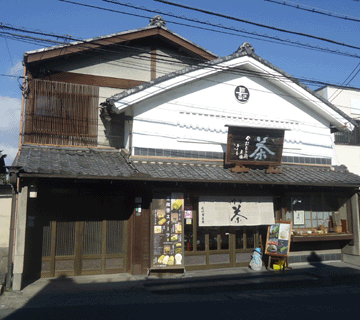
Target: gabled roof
(157, 27)
(257, 66)
(87, 163)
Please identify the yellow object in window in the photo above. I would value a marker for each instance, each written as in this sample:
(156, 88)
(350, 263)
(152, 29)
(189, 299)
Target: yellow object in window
(177, 204)
(162, 221)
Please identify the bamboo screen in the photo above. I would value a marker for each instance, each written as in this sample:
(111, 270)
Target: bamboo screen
(60, 113)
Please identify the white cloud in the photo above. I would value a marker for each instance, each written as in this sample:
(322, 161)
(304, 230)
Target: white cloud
(10, 151)
(17, 69)
(10, 109)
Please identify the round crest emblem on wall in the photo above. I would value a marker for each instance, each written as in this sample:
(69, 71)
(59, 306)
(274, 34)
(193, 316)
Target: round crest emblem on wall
(242, 94)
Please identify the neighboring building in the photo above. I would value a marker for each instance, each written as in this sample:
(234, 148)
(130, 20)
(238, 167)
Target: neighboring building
(151, 183)
(5, 211)
(5, 214)
(347, 144)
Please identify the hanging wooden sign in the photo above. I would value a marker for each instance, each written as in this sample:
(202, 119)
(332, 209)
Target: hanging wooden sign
(254, 146)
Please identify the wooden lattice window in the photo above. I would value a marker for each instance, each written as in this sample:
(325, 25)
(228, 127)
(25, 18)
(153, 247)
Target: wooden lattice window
(60, 113)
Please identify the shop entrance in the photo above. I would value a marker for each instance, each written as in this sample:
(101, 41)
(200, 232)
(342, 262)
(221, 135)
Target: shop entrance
(219, 247)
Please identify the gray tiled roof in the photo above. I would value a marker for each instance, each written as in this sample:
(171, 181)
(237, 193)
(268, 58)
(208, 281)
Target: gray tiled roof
(70, 162)
(113, 164)
(208, 172)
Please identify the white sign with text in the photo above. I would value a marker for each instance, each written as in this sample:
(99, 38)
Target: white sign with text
(235, 211)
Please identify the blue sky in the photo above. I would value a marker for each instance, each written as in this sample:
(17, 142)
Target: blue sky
(56, 17)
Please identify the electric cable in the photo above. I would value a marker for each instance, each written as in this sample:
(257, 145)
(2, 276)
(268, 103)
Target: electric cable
(343, 85)
(251, 22)
(100, 49)
(315, 10)
(301, 79)
(255, 35)
(248, 73)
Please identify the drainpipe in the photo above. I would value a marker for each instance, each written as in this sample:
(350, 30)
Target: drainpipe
(23, 97)
(13, 175)
(110, 105)
(130, 121)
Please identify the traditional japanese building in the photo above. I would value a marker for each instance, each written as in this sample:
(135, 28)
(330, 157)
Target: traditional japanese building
(188, 162)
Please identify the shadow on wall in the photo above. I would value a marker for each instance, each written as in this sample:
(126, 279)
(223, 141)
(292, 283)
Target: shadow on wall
(313, 258)
(114, 125)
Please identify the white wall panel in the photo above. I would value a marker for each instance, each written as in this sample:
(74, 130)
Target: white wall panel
(194, 117)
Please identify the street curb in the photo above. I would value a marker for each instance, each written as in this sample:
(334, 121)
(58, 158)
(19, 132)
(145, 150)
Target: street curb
(231, 283)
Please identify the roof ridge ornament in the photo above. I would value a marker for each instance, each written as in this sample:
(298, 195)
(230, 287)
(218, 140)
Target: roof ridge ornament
(157, 21)
(246, 47)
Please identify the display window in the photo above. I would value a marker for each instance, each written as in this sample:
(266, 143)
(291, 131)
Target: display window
(318, 214)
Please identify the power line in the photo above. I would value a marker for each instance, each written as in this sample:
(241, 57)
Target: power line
(338, 91)
(282, 78)
(165, 61)
(247, 73)
(9, 75)
(255, 35)
(7, 46)
(315, 10)
(7, 27)
(253, 23)
(26, 38)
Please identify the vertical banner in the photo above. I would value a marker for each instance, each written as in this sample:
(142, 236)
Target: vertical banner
(167, 224)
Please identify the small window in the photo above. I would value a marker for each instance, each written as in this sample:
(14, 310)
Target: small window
(348, 138)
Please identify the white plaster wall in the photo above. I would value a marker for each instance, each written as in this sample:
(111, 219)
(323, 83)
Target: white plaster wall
(5, 213)
(135, 67)
(168, 61)
(193, 117)
(342, 99)
(132, 64)
(349, 156)
(104, 93)
(344, 154)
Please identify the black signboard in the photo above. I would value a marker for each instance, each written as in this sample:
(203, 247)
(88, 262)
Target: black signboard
(167, 236)
(254, 146)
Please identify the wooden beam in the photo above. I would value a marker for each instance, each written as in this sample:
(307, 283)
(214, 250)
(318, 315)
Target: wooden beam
(85, 46)
(117, 39)
(99, 81)
(327, 237)
(153, 64)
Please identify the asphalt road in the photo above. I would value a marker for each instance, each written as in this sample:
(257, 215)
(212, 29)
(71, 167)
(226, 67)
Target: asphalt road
(139, 303)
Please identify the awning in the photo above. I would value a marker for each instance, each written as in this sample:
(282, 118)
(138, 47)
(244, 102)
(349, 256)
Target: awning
(97, 163)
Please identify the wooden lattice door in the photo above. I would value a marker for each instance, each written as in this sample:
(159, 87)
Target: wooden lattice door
(83, 247)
